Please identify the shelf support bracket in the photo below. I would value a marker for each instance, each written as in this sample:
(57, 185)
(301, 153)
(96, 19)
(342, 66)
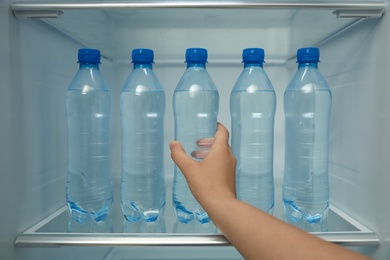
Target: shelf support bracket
(345, 13)
(37, 14)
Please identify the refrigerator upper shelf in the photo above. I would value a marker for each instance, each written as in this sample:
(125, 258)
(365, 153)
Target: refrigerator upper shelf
(21, 8)
(58, 230)
(169, 27)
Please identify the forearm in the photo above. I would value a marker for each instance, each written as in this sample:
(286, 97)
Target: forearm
(258, 235)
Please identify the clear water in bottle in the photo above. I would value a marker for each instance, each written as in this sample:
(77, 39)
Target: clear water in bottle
(252, 144)
(195, 105)
(307, 104)
(192, 109)
(89, 190)
(143, 108)
(252, 105)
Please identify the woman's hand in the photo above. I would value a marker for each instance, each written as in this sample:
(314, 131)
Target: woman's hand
(212, 179)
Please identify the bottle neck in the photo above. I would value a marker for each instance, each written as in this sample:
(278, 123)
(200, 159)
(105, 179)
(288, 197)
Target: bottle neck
(88, 65)
(251, 64)
(142, 66)
(196, 64)
(312, 64)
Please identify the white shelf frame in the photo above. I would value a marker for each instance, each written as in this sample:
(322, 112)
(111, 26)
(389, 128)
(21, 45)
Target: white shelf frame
(340, 9)
(32, 237)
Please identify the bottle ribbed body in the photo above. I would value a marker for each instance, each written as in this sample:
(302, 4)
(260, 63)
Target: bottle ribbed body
(252, 107)
(307, 105)
(142, 102)
(89, 190)
(195, 106)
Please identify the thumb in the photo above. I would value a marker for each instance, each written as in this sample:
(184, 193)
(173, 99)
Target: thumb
(179, 156)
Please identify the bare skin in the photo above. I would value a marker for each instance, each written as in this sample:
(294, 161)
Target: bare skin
(254, 233)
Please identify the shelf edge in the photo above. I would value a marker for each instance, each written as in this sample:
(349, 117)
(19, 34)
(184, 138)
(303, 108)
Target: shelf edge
(58, 239)
(30, 238)
(110, 240)
(41, 9)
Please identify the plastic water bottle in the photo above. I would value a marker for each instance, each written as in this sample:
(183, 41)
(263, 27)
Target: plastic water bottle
(143, 107)
(252, 108)
(89, 191)
(307, 105)
(195, 107)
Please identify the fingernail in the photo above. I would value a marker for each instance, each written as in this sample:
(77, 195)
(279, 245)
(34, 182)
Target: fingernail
(172, 144)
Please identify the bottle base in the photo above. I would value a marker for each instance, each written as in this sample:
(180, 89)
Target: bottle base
(294, 214)
(185, 216)
(271, 210)
(80, 215)
(133, 213)
(135, 218)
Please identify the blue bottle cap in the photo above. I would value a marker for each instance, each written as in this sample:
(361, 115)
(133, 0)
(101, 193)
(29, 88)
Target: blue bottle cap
(196, 55)
(142, 56)
(253, 55)
(89, 55)
(308, 55)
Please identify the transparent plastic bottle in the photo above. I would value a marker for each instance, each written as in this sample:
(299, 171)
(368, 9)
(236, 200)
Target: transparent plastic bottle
(89, 191)
(252, 108)
(195, 107)
(307, 105)
(143, 107)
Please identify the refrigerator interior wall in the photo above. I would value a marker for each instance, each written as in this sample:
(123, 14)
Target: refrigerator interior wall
(38, 64)
(356, 65)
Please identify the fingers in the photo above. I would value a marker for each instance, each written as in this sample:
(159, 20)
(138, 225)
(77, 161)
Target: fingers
(200, 154)
(179, 156)
(221, 138)
(205, 142)
(203, 148)
(183, 161)
(222, 132)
